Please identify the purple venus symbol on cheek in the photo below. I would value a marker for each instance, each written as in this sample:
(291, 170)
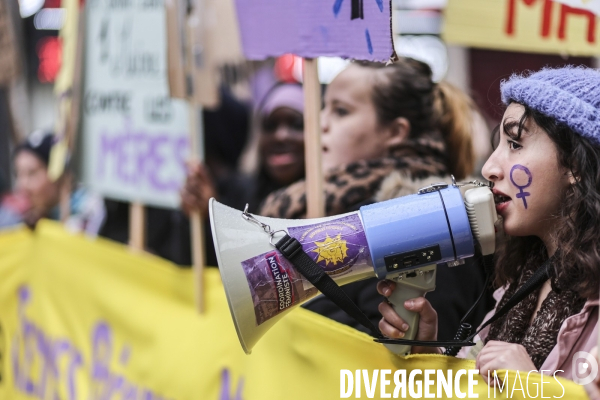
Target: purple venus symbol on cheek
(521, 195)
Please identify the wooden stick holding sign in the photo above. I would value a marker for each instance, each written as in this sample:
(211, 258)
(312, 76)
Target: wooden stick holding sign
(196, 223)
(137, 227)
(315, 199)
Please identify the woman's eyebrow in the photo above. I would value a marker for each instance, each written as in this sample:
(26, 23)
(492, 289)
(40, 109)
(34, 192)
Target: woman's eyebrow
(509, 127)
(338, 102)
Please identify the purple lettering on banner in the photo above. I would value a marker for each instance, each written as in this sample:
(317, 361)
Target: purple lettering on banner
(226, 387)
(522, 194)
(74, 365)
(35, 353)
(101, 353)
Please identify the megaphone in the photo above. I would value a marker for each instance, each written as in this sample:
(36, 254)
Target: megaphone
(402, 239)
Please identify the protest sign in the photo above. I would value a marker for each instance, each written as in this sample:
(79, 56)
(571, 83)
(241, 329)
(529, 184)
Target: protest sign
(136, 136)
(344, 28)
(82, 319)
(206, 40)
(541, 26)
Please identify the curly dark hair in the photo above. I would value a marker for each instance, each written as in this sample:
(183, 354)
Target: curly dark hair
(577, 263)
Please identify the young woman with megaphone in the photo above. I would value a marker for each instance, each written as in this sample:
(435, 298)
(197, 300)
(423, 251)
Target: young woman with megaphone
(546, 175)
(386, 132)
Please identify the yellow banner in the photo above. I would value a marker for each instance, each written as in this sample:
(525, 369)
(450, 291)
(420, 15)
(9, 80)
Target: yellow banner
(542, 26)
(83, 319)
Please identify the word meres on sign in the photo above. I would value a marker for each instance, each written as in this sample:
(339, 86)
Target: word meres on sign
(135, 136)
(357, 29)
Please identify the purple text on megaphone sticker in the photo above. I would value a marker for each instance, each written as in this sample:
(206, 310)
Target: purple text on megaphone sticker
(339, 246)
(274, 284)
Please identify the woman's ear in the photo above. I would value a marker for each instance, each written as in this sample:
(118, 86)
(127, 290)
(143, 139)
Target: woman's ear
(572, 178)
(400, 130)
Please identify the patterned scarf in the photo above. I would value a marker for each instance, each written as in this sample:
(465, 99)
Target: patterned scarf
(349, 186)
(541, 336)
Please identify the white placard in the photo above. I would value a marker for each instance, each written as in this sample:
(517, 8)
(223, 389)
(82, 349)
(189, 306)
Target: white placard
(135, 137)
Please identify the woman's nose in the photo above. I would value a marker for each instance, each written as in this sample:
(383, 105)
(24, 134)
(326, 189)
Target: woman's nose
(282, 132)
(492, 170)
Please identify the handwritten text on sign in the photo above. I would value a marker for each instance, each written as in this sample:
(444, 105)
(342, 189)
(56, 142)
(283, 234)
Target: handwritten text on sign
(544, 26)
(136, 137)
(358, 29)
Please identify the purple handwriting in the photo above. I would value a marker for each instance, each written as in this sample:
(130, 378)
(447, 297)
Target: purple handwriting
(56, 362)
(140, 159)
(226, 387)
(522, 194)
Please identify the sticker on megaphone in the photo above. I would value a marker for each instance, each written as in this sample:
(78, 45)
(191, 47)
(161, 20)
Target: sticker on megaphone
(338, 246)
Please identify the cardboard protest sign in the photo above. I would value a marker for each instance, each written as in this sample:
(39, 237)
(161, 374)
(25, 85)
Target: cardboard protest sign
(208, 35)
(136, 136)
(358, 29)
(219, 38)
(542, 26)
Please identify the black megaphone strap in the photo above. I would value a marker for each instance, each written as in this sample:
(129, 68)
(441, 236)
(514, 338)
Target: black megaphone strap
(292, 250)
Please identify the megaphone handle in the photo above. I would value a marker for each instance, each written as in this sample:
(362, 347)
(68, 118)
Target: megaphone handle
(409, 288)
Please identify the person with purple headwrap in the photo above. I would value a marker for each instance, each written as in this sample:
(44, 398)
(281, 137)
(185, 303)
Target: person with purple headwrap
(280, 117)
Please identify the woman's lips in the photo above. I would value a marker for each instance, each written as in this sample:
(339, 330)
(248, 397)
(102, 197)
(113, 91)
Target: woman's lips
(502, 206)
(282, 159)
(502, 201)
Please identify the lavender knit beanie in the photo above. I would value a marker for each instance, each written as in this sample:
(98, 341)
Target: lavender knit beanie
(571, 95)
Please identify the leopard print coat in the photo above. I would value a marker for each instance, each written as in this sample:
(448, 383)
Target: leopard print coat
(350, 186)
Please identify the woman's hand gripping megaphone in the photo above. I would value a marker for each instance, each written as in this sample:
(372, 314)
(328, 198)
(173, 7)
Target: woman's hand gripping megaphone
(393, 326)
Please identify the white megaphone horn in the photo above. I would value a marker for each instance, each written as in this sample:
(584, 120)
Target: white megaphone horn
(401, 239)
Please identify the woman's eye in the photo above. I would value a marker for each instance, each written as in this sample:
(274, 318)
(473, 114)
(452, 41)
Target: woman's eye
(514, 145)
(340, 111)
(298, 125)
(269, 127)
